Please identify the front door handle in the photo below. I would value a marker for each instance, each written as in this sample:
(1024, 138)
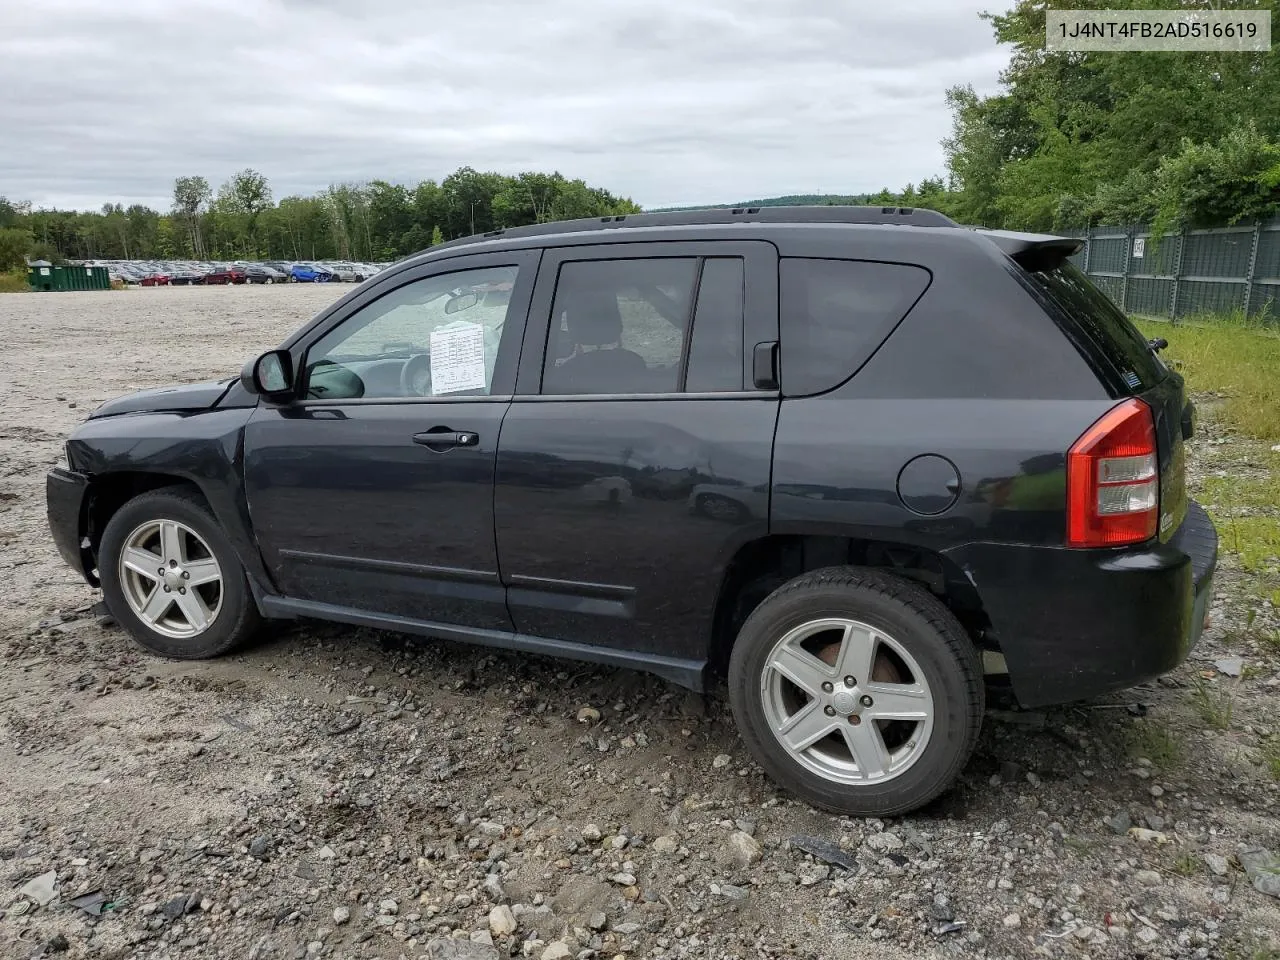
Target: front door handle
(442, 438)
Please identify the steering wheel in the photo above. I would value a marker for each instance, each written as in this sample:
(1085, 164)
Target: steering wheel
(415, 376)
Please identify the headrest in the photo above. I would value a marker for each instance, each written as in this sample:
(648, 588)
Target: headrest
(593, 318)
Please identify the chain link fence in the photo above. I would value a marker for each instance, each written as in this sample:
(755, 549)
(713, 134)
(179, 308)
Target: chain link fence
(1226, 270)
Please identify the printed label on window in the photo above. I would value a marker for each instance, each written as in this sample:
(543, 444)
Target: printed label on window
(457, 358)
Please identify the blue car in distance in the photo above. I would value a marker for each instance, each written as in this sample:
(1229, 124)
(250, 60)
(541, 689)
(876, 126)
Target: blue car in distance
(309, 273)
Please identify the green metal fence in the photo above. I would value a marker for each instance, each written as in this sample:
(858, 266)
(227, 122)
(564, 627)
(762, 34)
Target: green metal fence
(1196, 271)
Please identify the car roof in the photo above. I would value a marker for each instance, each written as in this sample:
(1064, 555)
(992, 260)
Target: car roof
(898, 216)
(1034, 251)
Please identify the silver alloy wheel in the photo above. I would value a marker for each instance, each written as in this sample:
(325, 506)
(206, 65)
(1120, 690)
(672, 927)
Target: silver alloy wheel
(170, 578)
(829, 697)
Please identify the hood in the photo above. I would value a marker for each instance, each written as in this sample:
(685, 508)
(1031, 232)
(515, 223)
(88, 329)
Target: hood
(194, 396)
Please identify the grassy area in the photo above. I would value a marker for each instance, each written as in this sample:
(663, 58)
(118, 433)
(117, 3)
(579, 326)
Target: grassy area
(1239, 362)
(1234, 368)
(14, 281)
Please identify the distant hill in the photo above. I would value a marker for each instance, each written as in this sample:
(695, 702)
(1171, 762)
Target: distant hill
(796, 200)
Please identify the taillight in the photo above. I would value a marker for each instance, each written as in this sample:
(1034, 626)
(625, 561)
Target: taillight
(1113, 483)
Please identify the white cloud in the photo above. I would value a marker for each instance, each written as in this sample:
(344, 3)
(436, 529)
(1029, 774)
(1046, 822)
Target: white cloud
(662, 100)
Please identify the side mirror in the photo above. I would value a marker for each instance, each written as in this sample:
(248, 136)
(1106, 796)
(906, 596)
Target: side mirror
(270, 375)
(463, 301)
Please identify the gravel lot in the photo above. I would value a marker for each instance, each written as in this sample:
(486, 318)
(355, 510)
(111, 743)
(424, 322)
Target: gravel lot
(338, 792)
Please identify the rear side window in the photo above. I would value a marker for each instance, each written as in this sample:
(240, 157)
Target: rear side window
(836, 313)
(618, 326)
(1076, 304)
(622, 326)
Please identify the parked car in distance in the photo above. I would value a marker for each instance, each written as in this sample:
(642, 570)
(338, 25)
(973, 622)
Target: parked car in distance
(225, 273)
(261, 273)
(310, 273)
(857, 460)
(155, 278)
(123, 273)
(341, 270)
(185, 276)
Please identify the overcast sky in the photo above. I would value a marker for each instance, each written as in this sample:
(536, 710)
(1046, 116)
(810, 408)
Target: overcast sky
(665, 101)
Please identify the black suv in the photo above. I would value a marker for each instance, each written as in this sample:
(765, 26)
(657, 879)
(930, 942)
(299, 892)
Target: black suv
(859, 457)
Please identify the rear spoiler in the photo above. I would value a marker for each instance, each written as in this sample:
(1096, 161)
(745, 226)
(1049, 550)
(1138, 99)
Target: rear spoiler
(1036, 252)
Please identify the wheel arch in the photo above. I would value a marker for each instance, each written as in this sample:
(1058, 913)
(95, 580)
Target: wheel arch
(760, 566)
(109, 492)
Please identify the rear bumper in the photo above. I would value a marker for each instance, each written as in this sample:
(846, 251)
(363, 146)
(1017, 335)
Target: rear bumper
(65, 495)
(1075, 624)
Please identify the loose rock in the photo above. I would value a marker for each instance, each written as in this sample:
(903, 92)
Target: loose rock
(1262, 867)
(743, 849)
(502, 922)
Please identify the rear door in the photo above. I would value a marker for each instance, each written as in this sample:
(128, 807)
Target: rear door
(635, 457)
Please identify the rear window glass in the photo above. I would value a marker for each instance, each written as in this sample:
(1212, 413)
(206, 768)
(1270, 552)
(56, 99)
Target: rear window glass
(1076, 303)
(836, 313)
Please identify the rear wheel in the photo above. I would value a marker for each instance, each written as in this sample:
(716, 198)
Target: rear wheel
(857, 690)
(172, 579)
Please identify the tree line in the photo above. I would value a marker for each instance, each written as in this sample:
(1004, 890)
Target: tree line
(1075, 139)
(371, 221)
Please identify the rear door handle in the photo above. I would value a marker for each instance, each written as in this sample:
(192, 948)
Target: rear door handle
(446, 439)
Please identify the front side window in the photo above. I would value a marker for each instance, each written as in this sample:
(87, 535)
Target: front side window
(434, 337)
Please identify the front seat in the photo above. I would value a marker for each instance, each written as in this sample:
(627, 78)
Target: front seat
(594, 321)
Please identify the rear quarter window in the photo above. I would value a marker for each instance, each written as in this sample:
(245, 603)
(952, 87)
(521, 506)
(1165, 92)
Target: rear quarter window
(836, 313)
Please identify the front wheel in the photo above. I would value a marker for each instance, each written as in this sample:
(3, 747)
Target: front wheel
(171, 578)
(857, 690)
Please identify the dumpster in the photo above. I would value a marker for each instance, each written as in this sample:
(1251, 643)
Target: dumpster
(42, 275)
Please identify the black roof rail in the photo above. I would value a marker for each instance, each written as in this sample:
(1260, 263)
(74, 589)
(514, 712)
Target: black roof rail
(906, 216)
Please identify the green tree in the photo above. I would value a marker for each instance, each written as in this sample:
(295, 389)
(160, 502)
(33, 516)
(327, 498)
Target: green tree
(190, 194)
(437, 237)
(15, 243)
(1206, 184)
(245, 196)
(1079, 134)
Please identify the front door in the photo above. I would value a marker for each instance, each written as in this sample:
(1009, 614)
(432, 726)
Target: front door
(375, 491)
(635, 457)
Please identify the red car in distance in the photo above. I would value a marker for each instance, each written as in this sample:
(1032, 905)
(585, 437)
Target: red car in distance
(228, 274)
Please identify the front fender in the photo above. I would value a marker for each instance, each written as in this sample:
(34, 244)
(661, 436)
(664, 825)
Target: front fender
(205, 448)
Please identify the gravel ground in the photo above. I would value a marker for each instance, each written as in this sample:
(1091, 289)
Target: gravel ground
(342, 793)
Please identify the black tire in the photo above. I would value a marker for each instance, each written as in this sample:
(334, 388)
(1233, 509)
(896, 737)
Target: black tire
(911, 615)
(237, 619)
